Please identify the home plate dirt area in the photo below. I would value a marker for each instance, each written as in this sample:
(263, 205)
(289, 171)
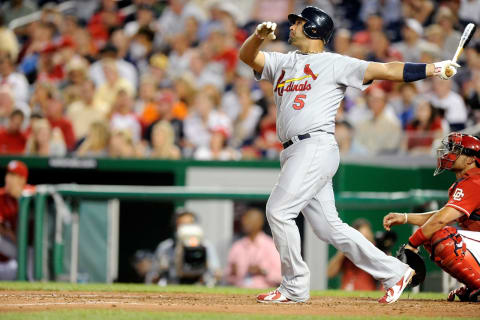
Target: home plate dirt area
(229, 303)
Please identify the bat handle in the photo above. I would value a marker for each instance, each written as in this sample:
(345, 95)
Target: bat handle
(457, 54)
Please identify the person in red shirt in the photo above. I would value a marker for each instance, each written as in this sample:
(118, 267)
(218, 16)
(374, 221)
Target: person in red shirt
(54, 114)
(423, 129)
(353, 278)
(12, 139)
(457, 252)
(15, 181)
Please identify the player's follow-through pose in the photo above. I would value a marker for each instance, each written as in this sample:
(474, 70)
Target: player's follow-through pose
(455, 251)
(309, 85)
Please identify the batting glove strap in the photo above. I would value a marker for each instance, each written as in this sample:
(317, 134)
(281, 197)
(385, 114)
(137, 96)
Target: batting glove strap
(440, 69)
(266, 30)
(417, 239)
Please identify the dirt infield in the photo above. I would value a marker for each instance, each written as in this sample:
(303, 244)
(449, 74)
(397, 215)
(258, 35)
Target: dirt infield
(225, 303)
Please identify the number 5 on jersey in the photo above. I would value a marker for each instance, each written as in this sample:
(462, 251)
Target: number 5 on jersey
(299, 101)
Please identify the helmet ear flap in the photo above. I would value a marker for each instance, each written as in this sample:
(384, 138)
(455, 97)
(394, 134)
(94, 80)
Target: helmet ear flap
(310, 29)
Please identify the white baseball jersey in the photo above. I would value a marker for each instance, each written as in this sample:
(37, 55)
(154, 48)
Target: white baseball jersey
(308, 88)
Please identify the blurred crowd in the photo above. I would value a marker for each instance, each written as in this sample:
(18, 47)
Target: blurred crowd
(161, 79)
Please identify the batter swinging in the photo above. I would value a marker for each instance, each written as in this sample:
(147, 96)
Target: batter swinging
(309, 85)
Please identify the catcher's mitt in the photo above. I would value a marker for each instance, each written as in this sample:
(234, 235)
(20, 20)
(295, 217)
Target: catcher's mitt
(415, 262)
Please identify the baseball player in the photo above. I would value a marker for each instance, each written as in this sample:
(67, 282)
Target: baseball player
(309, 85)
(455, 251)
(15, 181)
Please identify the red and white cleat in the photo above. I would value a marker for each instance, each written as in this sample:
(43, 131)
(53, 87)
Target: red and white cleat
(273, 297)
(463, 293)
(395, 292)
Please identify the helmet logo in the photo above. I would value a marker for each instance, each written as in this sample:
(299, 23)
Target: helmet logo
(458, 195)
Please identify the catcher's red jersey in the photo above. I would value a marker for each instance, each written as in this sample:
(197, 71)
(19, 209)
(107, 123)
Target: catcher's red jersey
(464, 195)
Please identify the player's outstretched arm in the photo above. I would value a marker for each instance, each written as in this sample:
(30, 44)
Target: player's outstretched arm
(408, 72)
(250, 49)
(437, 221)
(416, 219)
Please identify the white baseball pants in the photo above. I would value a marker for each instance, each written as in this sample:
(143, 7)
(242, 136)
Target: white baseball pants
(305, 185)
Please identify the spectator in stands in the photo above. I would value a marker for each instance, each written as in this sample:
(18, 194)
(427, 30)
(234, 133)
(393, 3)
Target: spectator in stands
(223, 50)
(435, 35)
(123, 117)
(381, 51)
(420, 10)
(374, 24)
(353, 278)
(158, 70)
(447, 21)
(15, 81)
(106, 18)
(267, 141)
(144, 18)
(342, 41)
(7, 106)
(348, 146)
(15, 181)
(55, 116)
(389, 10)
(121, 144)
(96, 141)
(45, 141)
(173, 19)
(443, 97)
(412, 33)
(141, 49)
(40, 36)
(107, 92)
(382, 132)
(218, 148)
(8, 40)
(12, 139)
(163, 142)
(85, 111)
(246, 122)
(205, 71)
(145, 106)
(111, 55)
(76, 75)
(406, 105)
(423, 130)
(180, 56)
(121, 42)
(166, 263)
(202, 121)
(253, 261)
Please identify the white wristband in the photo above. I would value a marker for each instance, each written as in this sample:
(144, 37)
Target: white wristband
(406, 218)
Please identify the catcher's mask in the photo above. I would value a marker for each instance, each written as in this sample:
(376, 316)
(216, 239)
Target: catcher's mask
(454, 145)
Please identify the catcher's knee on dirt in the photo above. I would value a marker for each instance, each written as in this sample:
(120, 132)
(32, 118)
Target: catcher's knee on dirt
(450, 253)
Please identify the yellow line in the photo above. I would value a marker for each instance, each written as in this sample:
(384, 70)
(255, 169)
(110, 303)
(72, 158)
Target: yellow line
(294, 79)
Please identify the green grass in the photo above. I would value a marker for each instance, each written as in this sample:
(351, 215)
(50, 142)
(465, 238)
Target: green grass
(136, 315)
(61, 286)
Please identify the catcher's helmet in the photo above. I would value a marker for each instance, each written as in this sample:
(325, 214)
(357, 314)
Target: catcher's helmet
(453, 146)
(318, 24)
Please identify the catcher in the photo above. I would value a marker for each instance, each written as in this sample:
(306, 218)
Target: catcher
(457, 252)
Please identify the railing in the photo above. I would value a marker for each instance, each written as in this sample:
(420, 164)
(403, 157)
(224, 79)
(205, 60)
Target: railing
(344, 201)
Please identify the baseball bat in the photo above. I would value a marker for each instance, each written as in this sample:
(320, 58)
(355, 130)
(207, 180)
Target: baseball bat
(464, 40)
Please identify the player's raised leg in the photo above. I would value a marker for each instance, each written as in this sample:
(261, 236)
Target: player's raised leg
(323, 216)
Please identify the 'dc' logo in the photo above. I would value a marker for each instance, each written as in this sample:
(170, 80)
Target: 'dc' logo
(458, 195)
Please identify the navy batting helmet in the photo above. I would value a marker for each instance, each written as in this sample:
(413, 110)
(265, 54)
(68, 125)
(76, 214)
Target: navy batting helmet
(318, 24)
